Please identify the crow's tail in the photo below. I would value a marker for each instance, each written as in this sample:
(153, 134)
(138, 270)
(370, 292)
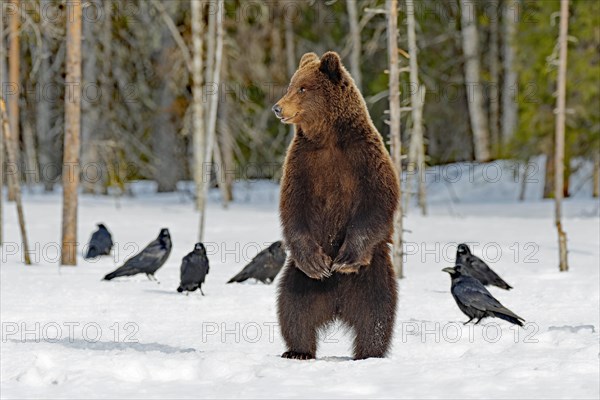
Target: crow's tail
(241, 277)
(110, 276)
(509, 318)
(92, 252)
(125, 270)
(501, 284)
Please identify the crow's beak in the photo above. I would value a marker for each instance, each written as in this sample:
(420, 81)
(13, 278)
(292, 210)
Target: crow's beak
(449, 270)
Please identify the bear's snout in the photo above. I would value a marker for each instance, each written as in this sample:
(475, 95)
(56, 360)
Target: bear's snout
(277, 110)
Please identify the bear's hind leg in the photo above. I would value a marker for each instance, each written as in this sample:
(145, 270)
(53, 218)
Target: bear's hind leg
(369, 306)
(302, 308)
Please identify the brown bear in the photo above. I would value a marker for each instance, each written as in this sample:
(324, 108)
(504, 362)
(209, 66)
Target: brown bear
(339, 192)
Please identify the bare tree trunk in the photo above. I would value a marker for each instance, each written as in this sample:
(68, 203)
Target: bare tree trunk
(225, 144)
(228, 161)
(395, 138)
(72, 131)
(210, 51)
(356, 43)
(290, 55)
(559, 153)
(6, 136)
(43, 118)
(106, 83)
(90, 107)
(198, 110)
(523, 181)
(1, 177)
(31, 171)
(216, 81)
(290, 48)
(14, 60)
(596, 175)
(213, 79)
(2, 81)
(509, 85)
(165, 139)
(417, 98)
(549, 174)
(495, 77)
(479, 121)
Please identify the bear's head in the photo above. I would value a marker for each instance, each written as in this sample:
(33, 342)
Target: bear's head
(320, 90)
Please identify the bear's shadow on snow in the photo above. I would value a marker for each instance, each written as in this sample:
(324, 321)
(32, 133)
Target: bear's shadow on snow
(81, 344)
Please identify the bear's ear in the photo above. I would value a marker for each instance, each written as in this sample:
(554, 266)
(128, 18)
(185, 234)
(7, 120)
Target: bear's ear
(331, 65)
(308, 57)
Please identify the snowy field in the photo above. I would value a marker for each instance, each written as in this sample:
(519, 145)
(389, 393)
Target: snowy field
(67, 334)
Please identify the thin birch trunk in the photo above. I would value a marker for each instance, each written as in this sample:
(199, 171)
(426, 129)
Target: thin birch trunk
(72, 131)
(2, 80)
(356, 43)
(90, 108)
(290, 48)
(6, 136)
(210, 137)
(198, 109)
(523, 181)
(509, 84)
(210, 51)
(228, 160)
(43, 119)
(559, 153)
(216, 81)
(106, 83)
(478, 117)
(290, 55)
(14, 61)
(396, 150)
(495, 77)
(596, 175)
(1, 166)
(417, 94)
(31, 171)
(1, 183)
(225, 143)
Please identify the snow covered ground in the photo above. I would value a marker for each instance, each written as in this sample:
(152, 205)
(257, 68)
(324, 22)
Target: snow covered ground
(67, 334)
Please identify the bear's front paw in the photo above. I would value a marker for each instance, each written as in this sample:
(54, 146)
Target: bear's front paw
(297, 356)
(346, 268)
(349, 261)
(316, 265)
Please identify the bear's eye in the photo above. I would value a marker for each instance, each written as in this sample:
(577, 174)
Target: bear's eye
(301, 90)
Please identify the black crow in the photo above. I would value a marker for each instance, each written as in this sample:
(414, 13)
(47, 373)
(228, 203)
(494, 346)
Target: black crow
(474, 300)
(100, 244)
(478, 269)
(265, 266)
(194, 268)
(149, 260)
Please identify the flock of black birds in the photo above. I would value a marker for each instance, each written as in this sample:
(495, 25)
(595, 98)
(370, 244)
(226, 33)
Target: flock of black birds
(469, 276)
(194, 266)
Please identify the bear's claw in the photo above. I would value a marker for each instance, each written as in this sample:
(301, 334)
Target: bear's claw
(297, 356)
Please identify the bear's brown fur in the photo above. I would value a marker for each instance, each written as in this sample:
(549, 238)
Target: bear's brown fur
(339, 192)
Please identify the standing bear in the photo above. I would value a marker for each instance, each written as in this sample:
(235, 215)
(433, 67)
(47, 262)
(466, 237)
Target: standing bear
(339, 192)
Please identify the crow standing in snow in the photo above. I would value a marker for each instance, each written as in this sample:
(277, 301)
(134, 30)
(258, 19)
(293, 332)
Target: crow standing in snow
(475, 301)
(148, 261)
(194, 268)
(478, 269)
(265, 266)
(100, 244)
